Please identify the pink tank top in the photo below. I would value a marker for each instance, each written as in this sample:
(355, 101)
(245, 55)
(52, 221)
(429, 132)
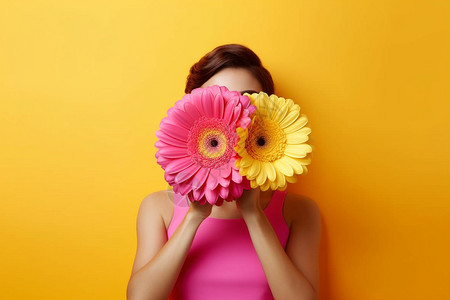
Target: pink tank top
(222, 262)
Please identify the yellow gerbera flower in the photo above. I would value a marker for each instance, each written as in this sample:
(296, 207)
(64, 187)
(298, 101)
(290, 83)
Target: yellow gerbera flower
(273, 149)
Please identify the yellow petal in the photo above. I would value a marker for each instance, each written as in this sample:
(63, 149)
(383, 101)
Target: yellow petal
(260, 103)
(298, 151)
(294, 163)
(271, 175)
(272, 105)
(280, 110)
(304, 130)
(282, 188)
(261, 178)
(266, 185)
(289, 102)
(237, 162)
(291, 179)
(241, 143)
(289, 119)
(283, 167)
(304, 161)
(297, 125)
(241, 151)
(274, 185)
(264, 104)
(242, 140)
(244, 135)
(247, 161)
(296, 138)
(240, 130)
(281, 180)
(305, 170)
(242, 171)
(296, 107)
(253, 184)
(254, 169)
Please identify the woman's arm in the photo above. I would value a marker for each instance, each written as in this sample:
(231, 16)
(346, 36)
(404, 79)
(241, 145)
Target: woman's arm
(158, 261)
(292, 274)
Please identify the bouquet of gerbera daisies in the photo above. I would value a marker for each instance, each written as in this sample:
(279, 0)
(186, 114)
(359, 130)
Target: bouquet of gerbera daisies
(214, 143)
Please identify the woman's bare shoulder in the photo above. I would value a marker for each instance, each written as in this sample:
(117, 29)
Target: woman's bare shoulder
(159, 202)
(301, 208)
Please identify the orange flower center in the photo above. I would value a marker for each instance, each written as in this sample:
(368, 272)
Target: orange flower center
(266, 140)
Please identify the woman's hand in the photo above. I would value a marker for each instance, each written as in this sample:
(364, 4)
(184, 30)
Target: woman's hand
(250, 203)
(200, 211)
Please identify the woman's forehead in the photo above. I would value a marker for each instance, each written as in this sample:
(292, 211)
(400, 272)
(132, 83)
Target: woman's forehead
(235, 79)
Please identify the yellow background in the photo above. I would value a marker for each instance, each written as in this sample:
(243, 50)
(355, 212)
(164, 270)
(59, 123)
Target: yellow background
(84, 85)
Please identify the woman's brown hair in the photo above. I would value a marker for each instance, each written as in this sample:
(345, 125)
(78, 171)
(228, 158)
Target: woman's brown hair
(226, 56)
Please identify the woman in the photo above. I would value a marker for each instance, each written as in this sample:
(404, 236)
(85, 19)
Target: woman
(263, 245)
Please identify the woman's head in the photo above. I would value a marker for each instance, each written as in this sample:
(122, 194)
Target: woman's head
(234, 66)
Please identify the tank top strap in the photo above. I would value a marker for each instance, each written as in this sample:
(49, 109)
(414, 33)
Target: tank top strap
(180, 208)
(277, 201)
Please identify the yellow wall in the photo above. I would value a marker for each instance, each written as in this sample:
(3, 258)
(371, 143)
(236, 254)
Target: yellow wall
(84, 85)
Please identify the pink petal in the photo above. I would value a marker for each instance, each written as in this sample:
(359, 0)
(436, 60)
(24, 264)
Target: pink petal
(236, 190)
(219, 201)
(176, 188)
(170, 140)
(225, 90)
(186, 98)
(202, 201)
(223, 192)
(192, 110)
(207, 103)
(235, 176)
(182, 118)
(246, 184)
(170, 178)
(163, 161)
(197, 92)
(244, 122)
(172, 152)
(225, 170)
(229, 199)
(235, 97)
(215, 89)
(219, 106)
(236, 113)
(198, 194)
(178, 165)
(213, 179)
(177, 132)
(180, 103)
(189, 196)
(228, 113)
(224, 181)
(187, 173)
(183, 188)
(251, 109)
(200, 178)
(211, 196)
(245, 100)
(170, 121)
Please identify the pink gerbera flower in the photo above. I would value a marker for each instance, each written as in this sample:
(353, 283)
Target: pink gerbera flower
(196, 144)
